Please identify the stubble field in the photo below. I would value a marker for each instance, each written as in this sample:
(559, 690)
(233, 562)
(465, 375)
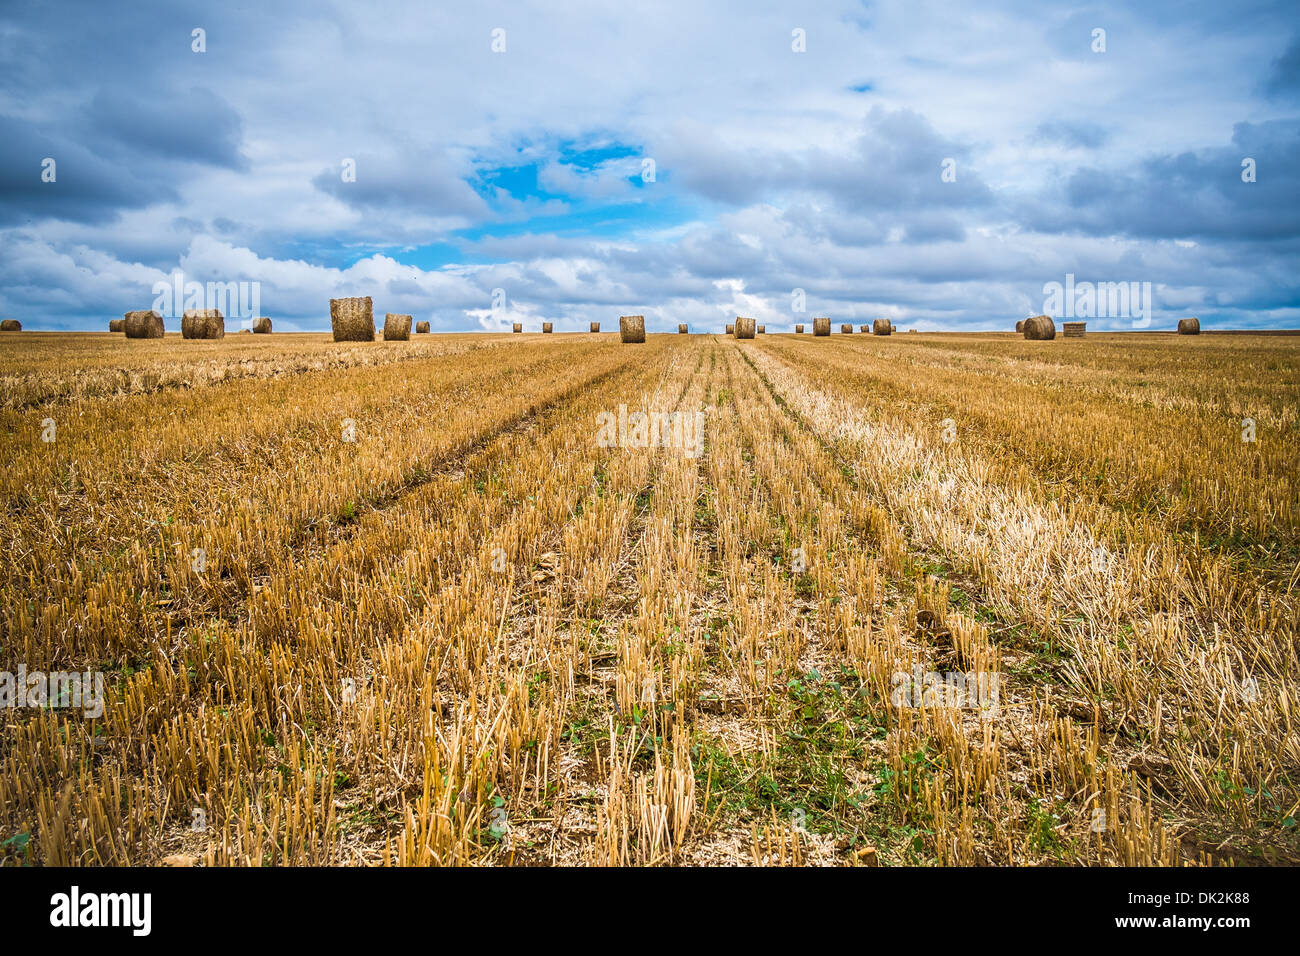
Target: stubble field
(919, 599)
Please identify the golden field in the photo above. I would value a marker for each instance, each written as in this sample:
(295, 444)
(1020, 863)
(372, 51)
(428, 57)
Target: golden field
(395, 603)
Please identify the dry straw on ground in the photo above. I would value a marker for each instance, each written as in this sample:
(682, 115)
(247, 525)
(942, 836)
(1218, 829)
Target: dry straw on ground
(822, 326)
(1190, 326)
(744, 327)
(10, 325)
(203, 324)
(353, 319)
(882, 327)
(631, 328)
(519, 327)
(681, 329)
(116, 325)
(1040, 328)
(421, 328)
(143, 325)
(397, 327)
(1074, 330)
(262, 325)
(547, 327)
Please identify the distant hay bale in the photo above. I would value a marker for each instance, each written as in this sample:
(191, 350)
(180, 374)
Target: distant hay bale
(1190, 326)
(631, 328)
(1020, 326)
(142, 325)
(1074, 330)
(397, 328)
(548, 327)
(893, 327)
(882, 327)
(762, 330)
(116, 325)
(10, 325)
(262, 325)
(421, 328)
(595, 326)
(1040, 328)
(846, 329)
(910, 331)
(731, 330)
(519, 327)
(745, 327)
(353, 320)
(681, 329)
(822, 326)
(203, 324)
(798, 330)
(864, 329)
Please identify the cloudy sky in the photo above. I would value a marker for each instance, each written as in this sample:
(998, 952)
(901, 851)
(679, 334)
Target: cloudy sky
(938, 163)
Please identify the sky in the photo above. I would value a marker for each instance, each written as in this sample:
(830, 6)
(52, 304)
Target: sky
(475, 165)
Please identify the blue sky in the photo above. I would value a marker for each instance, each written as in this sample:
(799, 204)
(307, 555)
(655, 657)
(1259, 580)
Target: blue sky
(686, 161)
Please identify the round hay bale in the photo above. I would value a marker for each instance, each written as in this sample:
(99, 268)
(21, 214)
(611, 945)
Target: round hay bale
(203, 324)
(595, 326)
(353, 319)
(142, 325)
(762, 330)
(882, 327)
(846, 329)
(1190, 326)
(1020, 326)
(1040, 328)
(631, 328)
(10, 325)
(681, 330)
(822, 326)
(798, 330)
(731, 330)
(421, 328)
(262, 325)
(893, 327)
(397, 328)
(116, 325)
(547, 327)
(864, 329)
(744, 327)
(519, 327)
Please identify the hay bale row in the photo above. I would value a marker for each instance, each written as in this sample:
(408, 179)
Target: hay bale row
(882, 327)
(10, 325)
(1040, 328)
(142, 325)
(1074, 330)
(352, 319)
(822, 326)
(1190, 326)
(397, 328)
(116, 325)
(681, 329)
(262, 325)
(798, 330)
(631, 328)
(744, 327)
(548, 327)
(203, 324)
